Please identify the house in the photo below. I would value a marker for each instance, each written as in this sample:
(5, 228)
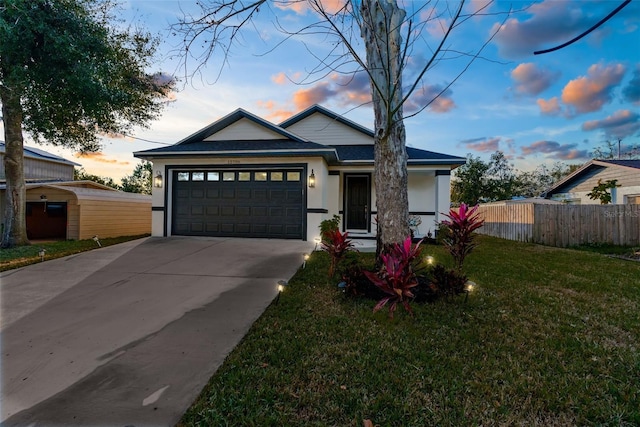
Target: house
(59, 208)
(575, 186)
(40, 166)
(243, 176)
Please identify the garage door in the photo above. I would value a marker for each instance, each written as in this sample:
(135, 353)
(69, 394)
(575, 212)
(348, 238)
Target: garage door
(239, 203)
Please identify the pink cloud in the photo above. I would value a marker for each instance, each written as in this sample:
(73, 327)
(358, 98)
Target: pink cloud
(550, 107)
(555, 150)
(280, 79)
(485, 145)
(531, 80)
(589, 93)
(549, 23)
(301, 7)
(621, 124)
(99, 157)
(425, 95)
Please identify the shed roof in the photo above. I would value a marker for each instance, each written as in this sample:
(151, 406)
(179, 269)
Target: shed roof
(89, 190)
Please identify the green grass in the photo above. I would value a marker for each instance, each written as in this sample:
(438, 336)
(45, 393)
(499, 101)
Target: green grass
(26, 255)
(550, 337)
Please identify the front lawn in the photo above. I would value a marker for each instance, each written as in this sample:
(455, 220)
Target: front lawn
(21, 256)
(548, 337)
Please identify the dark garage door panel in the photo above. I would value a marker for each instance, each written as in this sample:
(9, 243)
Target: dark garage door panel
(266, 209)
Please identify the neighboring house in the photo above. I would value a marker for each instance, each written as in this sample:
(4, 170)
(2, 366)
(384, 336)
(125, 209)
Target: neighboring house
(243, 176)
(40, 166)
(523, 201)
(60, 208)
(574, 187)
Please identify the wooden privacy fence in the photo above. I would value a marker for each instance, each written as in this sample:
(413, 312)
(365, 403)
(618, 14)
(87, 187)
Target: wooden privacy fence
(563, 225)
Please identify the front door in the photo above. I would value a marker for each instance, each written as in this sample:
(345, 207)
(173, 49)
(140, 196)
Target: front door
(357, 202)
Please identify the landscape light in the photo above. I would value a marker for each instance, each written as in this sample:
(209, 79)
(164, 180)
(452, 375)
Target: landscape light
(306, 258)
(429, 259)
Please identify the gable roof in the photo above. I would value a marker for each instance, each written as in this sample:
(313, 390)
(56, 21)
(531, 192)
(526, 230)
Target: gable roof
(578, 173)
(364, 154)
(36, 153)
(626, 163)
(322, 110)
(289, 145)
(232, 118)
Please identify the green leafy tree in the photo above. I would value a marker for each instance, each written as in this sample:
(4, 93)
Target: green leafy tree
(501, 180)
(140, 180)
(67, 75)
(470, 182)
(535, 183)
(477, 181)
(79, 174)
(602, 191)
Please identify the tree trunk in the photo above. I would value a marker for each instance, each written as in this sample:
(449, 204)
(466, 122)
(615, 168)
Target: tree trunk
(14, 232)
(381, 22)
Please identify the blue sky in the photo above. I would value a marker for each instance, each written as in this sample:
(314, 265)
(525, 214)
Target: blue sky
(535, 108)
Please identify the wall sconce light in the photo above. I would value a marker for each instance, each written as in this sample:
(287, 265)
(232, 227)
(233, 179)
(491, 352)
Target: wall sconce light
(43, 198)
(312, 180)
(157, 181)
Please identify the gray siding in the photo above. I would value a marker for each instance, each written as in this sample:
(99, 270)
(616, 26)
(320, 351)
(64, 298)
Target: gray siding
(627, 177)
(35, 169)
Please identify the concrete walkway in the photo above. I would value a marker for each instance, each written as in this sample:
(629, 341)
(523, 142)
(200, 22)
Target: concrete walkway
(129, 335)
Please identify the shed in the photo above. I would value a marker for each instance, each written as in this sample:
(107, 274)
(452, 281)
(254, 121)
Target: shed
(77, 210)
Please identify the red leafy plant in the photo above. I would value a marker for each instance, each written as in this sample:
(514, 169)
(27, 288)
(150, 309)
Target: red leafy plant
(336, 244)
(459, 239)
(396, 277)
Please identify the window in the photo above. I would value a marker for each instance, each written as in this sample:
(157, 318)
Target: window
(183, 176)
(276, 176)
(197, 176)
(228, 176)
(260, 176)
(213, 176)
(293, 176)
(244, 176)
(633, 199)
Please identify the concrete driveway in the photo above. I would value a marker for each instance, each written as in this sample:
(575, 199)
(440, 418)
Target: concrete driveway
(129, 335)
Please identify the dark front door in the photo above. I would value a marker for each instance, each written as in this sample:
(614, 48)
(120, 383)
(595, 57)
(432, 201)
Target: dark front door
(357, 201)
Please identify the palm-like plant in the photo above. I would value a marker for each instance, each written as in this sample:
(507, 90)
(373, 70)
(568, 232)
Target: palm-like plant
(396, 278)
(460, 227)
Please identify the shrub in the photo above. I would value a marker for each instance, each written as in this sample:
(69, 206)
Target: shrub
(396, 277)
(447, 282)
(329, 225)
(336, 244)
(459, 239)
